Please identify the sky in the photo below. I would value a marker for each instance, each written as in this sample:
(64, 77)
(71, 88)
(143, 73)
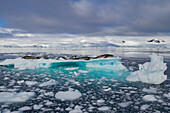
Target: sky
(87, 17)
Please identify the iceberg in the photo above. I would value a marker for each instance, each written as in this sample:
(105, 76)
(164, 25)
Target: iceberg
(101, 63)
(150, 72)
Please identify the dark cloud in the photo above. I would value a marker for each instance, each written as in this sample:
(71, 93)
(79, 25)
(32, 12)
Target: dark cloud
(93, 17)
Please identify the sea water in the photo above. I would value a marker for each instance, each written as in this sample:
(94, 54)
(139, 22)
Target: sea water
(89, 87)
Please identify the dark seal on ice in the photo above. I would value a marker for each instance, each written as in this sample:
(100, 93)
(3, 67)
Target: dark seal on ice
(104, 56)
(30, 57)
(80, 58)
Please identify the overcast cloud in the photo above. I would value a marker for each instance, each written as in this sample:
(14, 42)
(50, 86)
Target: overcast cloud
(88, 17)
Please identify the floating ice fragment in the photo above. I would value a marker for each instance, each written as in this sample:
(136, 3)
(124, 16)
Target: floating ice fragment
(167, 95)
(83, 71)
(150, 90)
(48, 83)
(30, 83)
(36, 107)
(103, 108)
(49, 94)
(71, 68)
(144, 107)
(76, 74)
(101, 101)
(15, 97)
(149, 98)
(125, 104)
(77, 109)
(150, 72)
(25, 108)
(68, 95)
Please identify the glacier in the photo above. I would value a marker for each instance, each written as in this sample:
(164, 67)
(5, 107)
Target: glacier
(150, 72)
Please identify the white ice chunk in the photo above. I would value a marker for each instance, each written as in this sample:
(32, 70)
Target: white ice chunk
(167, 95)
(71, 68)
(101, 101)
(144, 107)
(48, 83)
(36, 107)
(103, 108)
(125, 104)
(77, 109)
(19, 82)
(30, 83)
(25, 108)
(150, 90)
(83, 71)
(49, 94)
(15, 97)
(68, 95)
(149, 98)
(150, 72)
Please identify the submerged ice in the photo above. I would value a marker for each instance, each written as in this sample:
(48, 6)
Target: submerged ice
(150, 72)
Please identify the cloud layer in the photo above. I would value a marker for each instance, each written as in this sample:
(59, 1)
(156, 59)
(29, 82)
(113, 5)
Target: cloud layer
(89, 17)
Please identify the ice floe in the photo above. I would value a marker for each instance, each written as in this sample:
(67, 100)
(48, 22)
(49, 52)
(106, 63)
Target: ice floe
(71, 94)
(30, 83)
(48, 83)
(77, 109)
(25, 108)
(150, 90)
(104, 108)
(150, 72)
(144, 107)
(15, 97)
(73, 68)
(125, 104)
(167, 95)
(36, 107)
(149, 98)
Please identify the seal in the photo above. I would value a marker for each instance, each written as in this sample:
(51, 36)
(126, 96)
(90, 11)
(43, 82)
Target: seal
(80, 58)
(104, 56)
(59, 58)
(30, 57)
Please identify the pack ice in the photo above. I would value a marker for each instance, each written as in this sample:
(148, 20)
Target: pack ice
(150, 72)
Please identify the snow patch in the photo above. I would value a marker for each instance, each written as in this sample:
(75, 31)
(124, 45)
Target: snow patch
(150, 72)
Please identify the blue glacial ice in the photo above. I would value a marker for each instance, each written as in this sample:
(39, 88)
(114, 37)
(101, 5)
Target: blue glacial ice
(150, 72)
(21, 64)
